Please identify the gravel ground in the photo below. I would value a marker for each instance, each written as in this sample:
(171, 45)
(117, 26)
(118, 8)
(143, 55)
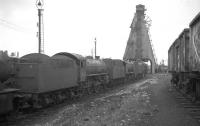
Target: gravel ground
(148, 102)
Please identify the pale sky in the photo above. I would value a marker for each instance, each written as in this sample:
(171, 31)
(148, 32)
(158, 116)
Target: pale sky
(72, 25)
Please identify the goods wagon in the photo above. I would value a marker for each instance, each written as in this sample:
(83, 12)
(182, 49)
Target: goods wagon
(184, 50)
(194, 55)
(178, 58)
(194, 46)
(174, 54)
(183, 56)
(184, 61)
(181, 52)
(170, 59)
(177, 55)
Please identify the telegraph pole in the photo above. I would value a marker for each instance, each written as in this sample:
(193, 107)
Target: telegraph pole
(95, 47)
(39, 5)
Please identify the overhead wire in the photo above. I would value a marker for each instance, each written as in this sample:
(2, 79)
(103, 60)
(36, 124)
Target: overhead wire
(13, 26)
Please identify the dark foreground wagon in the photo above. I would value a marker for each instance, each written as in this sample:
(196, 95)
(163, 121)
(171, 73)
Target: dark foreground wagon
(6, 100)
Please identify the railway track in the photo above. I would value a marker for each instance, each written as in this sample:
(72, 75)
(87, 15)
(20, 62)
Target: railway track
(186, 101)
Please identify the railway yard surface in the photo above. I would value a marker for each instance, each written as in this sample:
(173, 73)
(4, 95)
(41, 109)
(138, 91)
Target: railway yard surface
(148, 102)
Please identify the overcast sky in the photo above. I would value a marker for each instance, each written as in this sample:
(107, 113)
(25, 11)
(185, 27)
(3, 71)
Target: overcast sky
(72, 25)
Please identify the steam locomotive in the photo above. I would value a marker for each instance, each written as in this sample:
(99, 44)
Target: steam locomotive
(37, 80)
(184, 60)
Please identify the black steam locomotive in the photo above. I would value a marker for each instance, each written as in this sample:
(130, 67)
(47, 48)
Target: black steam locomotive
(37, 80)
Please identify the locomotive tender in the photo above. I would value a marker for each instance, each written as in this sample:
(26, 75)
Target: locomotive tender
(43, 80)
(184, 60)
